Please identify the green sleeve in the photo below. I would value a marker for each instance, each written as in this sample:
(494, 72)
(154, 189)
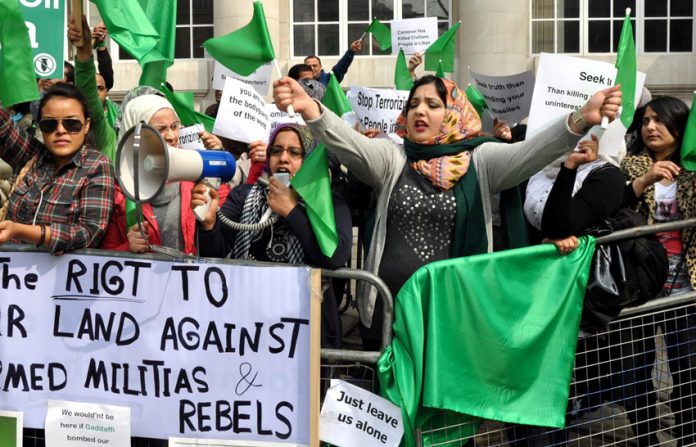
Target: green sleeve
(104, 135)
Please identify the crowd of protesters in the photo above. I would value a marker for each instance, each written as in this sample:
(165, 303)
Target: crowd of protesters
(432, 195)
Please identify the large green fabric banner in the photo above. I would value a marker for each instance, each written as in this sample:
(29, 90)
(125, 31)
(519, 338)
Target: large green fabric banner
(489, 336)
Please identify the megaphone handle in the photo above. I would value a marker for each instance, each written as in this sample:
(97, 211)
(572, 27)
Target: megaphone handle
(201, 210)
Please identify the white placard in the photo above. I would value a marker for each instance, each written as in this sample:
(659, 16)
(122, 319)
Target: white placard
(260, 79)
(414, 35)
(565, 83)
(194, 350)
(378, 108)
(278, 117)
(507, 97)
(242, 114)
(79, 423)
(191, 442)
(12, 427)
(354, 417)
(189, 139)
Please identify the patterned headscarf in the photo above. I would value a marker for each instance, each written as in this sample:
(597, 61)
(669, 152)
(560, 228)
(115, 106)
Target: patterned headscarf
(461, 120)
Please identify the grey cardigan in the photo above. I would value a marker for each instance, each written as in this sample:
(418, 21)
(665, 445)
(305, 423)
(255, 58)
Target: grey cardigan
(379, 163)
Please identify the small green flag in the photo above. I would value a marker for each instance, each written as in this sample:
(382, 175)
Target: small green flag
(183, 105)
(381, 33)
(17, 78)
(334, 98)
(626, 74)
(475, 97)
(131, 28)
(442, 49)
(162, 15)
(402, 77)
(440, 73)
(688, 147)
(312, 183)
(246, 49)
(525, 377)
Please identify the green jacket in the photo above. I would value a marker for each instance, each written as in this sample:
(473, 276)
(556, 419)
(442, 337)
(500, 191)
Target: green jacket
(104, 134)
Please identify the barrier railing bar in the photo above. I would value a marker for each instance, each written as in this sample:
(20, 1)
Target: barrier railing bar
(628, 233)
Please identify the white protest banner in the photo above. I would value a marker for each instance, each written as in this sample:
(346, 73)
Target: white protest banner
(565, 83)
(194, 350)
(413, 35)
(80, 423)
(191, 442)
(354, 417)
(278, 117)
(260, 79)
(242, 114)
(11, 428)
(507, 97)
(189, 139)
(378, 108)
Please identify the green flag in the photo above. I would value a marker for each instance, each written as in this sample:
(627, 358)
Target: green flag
(381, 33)
(131, 28)
(402, 77)
(334, 98)
(442, 49)
(688, 147)
(312, 183)
(162, 16)
(475, 97)
(183, 105)
(626, 72)
(17, 78)
(246, 49)
(510, 342)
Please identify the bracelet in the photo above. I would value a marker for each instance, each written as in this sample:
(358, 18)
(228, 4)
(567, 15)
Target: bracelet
(43, 236)
(579, 121)
(100, 44)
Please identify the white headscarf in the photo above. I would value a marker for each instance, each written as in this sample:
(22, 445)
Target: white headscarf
(142, 108)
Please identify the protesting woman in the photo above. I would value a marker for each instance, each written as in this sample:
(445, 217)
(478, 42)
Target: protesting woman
(63, 193)
(433, 192)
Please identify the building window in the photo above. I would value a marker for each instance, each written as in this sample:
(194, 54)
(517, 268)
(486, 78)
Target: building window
(194, 25)
(327, 27)
(594, 26)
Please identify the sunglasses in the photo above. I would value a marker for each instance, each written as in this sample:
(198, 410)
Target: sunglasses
(71, 125)
(294, 152)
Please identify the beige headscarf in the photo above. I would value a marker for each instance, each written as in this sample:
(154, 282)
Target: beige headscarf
(142, 108)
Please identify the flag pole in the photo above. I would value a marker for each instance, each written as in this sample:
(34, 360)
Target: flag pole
(605, 121)
(291, 111)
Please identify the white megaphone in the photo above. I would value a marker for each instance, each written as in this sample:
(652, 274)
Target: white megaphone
(145, 164)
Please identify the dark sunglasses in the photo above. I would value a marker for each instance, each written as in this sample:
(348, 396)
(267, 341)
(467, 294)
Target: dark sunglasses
(294, 152)
(71, 125)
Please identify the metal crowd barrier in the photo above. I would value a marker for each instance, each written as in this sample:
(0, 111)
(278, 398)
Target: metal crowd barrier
(634, 381)
(356, 367)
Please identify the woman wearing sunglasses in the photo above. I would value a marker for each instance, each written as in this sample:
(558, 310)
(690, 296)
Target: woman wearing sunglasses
(62, 197)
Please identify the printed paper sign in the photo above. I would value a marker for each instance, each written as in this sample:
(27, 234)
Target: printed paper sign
(414, 35)
(242, 114)
(378, 108)
(507, 97)
(189, 139)
(279, 117)
(194, 350)
(354, 417)
(11, 428)
(565, 83)
(260, 79)
(79, 423)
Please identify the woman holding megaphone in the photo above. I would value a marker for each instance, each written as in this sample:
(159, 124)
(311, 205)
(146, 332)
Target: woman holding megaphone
(168, 220)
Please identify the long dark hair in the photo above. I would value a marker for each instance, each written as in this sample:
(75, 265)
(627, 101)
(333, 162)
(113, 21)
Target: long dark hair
(673, 113)
(63, 90)
(425, 80)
